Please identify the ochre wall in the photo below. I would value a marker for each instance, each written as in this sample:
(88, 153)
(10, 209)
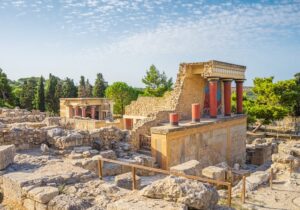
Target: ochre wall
(224, 140)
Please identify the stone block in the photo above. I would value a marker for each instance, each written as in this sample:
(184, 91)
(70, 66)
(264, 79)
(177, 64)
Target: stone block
(43, 194)
(7, 155)
(109, 154)
(214, 172)
(192, 167)
(125, 181)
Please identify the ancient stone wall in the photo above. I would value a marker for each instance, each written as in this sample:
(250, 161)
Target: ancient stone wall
(9, 116)
(189, 88)
(22, 138)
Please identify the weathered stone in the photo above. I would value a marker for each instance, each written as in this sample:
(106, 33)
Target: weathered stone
(43, 194)
(29, 204)
(252, 181)
(192, 167)
(189, 192)
(7, 155)
(214, 172)
(136, 202)
(67, 202)
(109, 154)
(125, 181)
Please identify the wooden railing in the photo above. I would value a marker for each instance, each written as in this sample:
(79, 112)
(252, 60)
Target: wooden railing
(161, 171)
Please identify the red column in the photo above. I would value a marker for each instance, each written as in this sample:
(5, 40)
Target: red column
(227, 97)
(76, 111)
(83, 111)
(93, 112)
(213, 106)
(196, 112)
(70, 111)
(128, 123)
(239, 96)
(174, 119)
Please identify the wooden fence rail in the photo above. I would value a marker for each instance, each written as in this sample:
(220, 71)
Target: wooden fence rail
(161, 171)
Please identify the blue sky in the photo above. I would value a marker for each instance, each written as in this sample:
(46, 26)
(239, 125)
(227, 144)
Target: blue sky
(122, 39)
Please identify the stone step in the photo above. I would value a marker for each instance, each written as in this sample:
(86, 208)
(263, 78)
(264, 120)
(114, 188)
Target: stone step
(145, 152)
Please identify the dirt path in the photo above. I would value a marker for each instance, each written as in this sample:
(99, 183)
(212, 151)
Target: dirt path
(285, 195)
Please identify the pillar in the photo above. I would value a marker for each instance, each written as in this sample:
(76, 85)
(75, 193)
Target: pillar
(83, 111)
(174, 119)
(213, 102)
(239, 96)
(128, 123)
(76, 111)
(227, 97)
(70, 111)
(93, 112)
(196, 112)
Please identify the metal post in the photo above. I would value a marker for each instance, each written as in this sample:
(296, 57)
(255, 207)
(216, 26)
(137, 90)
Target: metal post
(229, 194)
(100, 169)
(133, 178)
(243, 189)
(271, 178)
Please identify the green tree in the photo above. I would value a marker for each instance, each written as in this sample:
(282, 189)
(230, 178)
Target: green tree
(88, 89)
(122, 94)
(99, 86)
(69, 89)
(51, 94)
(266, 106)
(28, 92)
(39, 98)
(156, 83)
(6, 96)
(81, 88)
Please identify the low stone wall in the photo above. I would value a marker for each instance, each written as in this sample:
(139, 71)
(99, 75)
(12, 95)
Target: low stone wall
(9, 116)
(23, 138)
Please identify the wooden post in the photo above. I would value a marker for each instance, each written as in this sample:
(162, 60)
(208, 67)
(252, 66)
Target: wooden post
(271, 178)
(243, 196)
(291, 167)
(229, 194)
(100, 169)
(133, 178)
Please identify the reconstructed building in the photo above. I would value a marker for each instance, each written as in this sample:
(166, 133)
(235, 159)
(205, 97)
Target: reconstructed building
(94, 108)
(207, 131)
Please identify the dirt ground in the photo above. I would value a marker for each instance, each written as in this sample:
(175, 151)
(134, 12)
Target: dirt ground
(284, 195)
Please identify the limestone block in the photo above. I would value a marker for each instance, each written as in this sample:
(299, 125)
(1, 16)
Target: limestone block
(125, 181)
(139, 202)
(67, 202)
(43, 194)
(214, 172)
(192, 167)
(108, 154)
(198, 195)
(7, 155)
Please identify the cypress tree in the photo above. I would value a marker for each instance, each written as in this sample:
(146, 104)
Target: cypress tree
(81, 88)
(100, 86)
(39, 98)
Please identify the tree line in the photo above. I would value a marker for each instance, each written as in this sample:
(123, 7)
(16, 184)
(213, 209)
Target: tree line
(44, 94)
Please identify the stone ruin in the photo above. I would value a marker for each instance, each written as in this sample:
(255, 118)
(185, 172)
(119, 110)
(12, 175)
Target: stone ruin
(45, 165)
